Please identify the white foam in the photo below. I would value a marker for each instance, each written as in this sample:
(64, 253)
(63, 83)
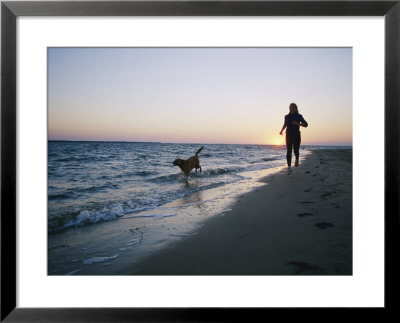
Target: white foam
(132, 242)
(106, 214)
(98, 259)
(182, 235)
(153, 215)
(73, 272)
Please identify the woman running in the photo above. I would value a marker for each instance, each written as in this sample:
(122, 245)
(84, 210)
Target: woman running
(293, 121)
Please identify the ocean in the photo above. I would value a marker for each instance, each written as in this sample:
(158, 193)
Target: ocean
(112, 203)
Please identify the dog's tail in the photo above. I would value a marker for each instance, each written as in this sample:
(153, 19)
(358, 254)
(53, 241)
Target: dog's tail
(198, 152)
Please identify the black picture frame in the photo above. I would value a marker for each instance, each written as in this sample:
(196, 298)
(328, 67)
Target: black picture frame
(10, 10)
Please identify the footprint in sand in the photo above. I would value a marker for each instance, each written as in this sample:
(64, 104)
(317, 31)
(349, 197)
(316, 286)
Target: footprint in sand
(305, 214)
(326, 194)
(323, 225)
(58, 247)
(305, 267)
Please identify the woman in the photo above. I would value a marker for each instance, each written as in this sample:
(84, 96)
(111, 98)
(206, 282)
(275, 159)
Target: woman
(293, 121)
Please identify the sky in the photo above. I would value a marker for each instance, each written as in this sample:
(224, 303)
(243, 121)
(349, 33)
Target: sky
(199, 95)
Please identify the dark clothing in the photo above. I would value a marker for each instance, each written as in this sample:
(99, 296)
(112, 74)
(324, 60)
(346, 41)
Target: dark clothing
(293, 129)
(292, 141)
(293, 137)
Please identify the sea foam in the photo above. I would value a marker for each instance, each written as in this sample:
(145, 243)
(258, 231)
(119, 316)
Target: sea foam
(98, 259)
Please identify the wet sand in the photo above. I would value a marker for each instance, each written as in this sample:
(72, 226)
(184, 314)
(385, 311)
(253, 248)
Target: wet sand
(299, 223)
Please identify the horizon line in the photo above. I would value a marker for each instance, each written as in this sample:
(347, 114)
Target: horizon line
(188, 143)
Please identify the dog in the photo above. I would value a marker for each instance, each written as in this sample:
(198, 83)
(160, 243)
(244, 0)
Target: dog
(187, 165)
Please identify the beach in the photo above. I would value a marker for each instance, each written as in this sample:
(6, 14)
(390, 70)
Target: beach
(298, 223)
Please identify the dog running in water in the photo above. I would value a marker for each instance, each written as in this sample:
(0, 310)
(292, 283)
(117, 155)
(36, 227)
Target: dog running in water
(186, 165)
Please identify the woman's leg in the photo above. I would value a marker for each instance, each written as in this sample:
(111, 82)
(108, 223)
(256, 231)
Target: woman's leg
(296, 148)
(289, 144)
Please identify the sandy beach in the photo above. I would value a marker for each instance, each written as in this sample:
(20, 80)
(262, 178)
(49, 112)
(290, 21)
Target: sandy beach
(298, 223)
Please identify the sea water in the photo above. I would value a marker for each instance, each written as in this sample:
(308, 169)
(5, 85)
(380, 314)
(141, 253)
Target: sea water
(112, 203)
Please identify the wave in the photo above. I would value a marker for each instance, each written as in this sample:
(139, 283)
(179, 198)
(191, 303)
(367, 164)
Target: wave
(206, 173)
(165, 178)
(215, 172)
(79, 192)
(59, 196)
(139, 207)
(66, 159)
(263, 160)
(85, 217)
(98, 213)
(222, 171)
(142, 173)
(81, 158)
(93, 188)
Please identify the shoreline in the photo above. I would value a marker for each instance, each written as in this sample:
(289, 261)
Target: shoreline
(299, 223)
(109, 247)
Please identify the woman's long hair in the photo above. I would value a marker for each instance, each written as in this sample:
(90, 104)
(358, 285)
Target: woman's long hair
(294, 105)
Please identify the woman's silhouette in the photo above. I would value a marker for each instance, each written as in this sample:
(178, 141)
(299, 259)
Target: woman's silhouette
(293, 121)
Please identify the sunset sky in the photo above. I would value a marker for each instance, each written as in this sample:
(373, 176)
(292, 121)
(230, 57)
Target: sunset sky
(199, 95)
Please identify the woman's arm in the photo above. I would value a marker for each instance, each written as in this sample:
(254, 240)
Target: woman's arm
(283, 128)
(303, 123)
